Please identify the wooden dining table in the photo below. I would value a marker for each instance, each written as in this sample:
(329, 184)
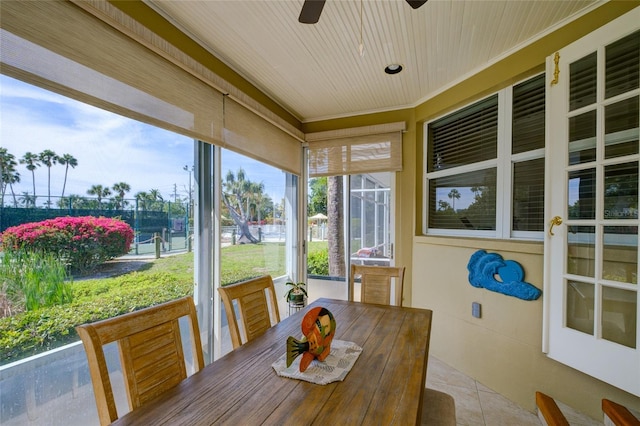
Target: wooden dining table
(384, 387)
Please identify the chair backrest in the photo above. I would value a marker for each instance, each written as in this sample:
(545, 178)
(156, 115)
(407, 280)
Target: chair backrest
(150, 349)
(375, 283)
(253, 307)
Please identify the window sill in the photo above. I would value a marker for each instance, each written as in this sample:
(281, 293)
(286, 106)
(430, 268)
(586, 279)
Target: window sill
(491, 244)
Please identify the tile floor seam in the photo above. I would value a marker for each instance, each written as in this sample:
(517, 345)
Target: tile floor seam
(484, 420)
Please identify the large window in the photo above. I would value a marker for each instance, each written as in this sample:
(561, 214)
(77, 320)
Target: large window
(107, 165)
(133, 125)
(485, 166)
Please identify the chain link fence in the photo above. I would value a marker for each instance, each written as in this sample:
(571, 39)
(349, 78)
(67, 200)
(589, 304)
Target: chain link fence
(166, 220)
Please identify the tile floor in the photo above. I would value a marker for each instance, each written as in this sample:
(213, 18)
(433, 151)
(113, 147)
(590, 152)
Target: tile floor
(477, 405)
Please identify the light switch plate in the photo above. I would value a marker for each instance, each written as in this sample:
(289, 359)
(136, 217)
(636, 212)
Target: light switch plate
(476, 310)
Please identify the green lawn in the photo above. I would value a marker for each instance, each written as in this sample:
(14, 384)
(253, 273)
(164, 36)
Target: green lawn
(161, 280)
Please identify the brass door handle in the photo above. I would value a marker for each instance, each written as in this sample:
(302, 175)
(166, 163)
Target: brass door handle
(557, 220)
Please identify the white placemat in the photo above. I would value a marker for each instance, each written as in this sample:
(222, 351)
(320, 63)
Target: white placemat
(334, 368)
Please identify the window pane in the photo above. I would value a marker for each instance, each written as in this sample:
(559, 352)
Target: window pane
(582, 190)
(580, 306)
(581, 250)
(582, 85)
(111, 169)
(621, 128)
(528, 115)
(464, 201)
(582, 138)
(622, 65)
(464, 137)
(620, 254)
(528, 195)
(619, 312)
(621, 191)
(253, 219)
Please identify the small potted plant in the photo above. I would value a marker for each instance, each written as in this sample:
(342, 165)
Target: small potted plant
(296, 294)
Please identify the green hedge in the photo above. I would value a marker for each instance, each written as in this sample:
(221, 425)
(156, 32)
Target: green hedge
(33, 332)
(318, 263)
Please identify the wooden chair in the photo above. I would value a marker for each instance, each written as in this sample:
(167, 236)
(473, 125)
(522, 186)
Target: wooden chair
(438, 408)
(375, 283)
(616, 414)
(548, 411)
(253, 307)
(150, 353)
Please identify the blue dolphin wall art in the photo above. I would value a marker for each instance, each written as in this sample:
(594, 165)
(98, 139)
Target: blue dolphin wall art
(485, 267)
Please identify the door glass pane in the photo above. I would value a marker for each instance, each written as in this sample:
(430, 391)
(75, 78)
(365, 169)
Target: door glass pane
(582, 190)
(370, 222)
(620, 254)
(621, 128)
(582, 138)
(622, 66)
(582, 85)
(619, 311)
(528, 195)
(463, 201)
(580, 306)
(621, 191)
(581, 250)
(370, 234)
(326, 257)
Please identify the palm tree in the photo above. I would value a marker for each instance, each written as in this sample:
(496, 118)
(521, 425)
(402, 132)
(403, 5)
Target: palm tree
(335, 236)
(67, 160)
(8, 175)
(120, 189)
(32, 161)
(237, 194)
(454, 194)
(100, 192)
(27, 199)
(48, 158)
(142, 198)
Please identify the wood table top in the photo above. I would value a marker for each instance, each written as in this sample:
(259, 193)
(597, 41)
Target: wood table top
(385, 386)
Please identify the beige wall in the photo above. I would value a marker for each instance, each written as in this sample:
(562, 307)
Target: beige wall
(503, 349)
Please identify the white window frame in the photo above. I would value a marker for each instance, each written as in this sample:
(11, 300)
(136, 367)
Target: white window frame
(504, 164)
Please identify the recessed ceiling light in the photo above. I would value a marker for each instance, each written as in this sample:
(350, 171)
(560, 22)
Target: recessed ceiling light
(393, 68)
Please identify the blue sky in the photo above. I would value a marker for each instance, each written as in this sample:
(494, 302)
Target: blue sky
(109, 148)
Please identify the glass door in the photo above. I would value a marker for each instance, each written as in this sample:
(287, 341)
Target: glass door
(592, 242)
(336, 240)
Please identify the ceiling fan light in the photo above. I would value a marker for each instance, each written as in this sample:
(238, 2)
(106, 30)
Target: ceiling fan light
(393, 68)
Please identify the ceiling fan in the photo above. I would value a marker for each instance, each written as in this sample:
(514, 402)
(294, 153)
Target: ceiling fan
(311, 9)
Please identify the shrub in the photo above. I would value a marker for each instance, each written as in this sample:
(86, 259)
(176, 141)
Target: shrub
(81, 242)
(32, 280)
(318, 263)
(30, 333)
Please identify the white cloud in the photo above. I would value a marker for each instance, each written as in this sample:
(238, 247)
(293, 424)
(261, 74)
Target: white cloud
(109, 148)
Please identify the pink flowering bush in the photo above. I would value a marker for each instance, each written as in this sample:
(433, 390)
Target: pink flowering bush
(81, 242)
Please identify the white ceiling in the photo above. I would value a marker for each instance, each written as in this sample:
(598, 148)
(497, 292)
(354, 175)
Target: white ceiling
(316, 71)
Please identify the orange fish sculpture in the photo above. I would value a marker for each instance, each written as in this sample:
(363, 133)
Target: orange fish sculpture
(318, 328)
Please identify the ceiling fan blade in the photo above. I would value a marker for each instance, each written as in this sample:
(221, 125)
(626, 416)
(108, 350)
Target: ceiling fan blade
(311, 10)
(416, 3)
